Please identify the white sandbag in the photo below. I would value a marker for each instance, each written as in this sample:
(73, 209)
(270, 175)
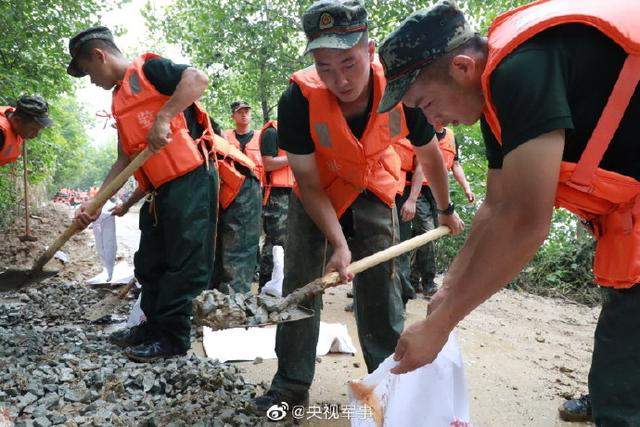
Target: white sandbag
(136, 316)
(104, 232)
(434, 395)
(251, 343)
(274, 286)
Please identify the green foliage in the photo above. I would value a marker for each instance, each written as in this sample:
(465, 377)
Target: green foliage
(33, 52)
(249, 49)
(33, 60)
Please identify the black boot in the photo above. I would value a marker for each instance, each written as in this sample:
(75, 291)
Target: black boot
(576, 409)
(136, 335)
(156, 350)
(273, 398)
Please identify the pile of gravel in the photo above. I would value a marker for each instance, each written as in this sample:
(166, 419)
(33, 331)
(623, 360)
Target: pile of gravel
(56, 368)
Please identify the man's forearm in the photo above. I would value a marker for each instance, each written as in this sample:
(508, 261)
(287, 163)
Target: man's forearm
(500, 249)
(189, 90)
(434, 169)
(416, 182)
(319, 208)
(458, 174)
(135, 197)
(274, 163)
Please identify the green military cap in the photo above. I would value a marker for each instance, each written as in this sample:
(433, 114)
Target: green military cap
(237, 105)
(335, 24)
(76, 42)
(424, 36)
(34, 107)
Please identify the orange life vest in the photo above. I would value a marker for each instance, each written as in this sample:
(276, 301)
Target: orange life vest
(404, 148)
(252, 151)
(135, 104)
(348, 166)
(231, 179)
(608, 200)
(12, 147)
(279, 178)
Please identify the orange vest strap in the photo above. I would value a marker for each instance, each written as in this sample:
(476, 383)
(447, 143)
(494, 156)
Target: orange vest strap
(608, 123)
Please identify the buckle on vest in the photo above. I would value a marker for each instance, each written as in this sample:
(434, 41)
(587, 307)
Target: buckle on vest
(580, 187)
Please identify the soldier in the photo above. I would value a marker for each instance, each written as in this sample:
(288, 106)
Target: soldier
(417, 212)
(555, 89)
(241, 216)
(154, 105)
(347, 175)
(23, 122)
(275, 201)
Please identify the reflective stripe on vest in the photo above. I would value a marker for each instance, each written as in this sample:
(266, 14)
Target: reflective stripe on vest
(251, 150)
(348, 166)
(12, 148)
(135, 105)
(608, 200)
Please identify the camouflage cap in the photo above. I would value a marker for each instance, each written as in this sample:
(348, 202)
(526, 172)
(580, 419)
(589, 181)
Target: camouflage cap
(235, 106)
(424, 36)
(335, 24)
(76, 42)
(34, 107)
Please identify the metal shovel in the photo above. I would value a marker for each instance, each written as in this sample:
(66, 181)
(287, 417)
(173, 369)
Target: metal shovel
(13, 279)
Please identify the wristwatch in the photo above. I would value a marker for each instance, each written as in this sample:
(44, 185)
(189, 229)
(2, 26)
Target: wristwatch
(448, 211)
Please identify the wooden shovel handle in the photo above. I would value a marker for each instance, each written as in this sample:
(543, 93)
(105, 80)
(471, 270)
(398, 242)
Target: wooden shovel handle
(332, 279)
(94, 205)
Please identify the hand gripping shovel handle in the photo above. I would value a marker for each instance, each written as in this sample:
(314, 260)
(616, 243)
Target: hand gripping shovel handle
(94, 205)
(332, 279)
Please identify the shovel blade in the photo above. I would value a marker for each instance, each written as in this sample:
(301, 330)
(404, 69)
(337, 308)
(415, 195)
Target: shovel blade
(13, 279)
(295, 314)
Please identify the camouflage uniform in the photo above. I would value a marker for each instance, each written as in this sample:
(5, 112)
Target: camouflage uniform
(238, 240)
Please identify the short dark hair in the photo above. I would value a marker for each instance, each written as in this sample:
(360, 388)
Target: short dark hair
(86, 48)
(440, 66)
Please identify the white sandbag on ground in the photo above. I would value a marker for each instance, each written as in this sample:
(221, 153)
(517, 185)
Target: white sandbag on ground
(104, 233)
(434, 395)
(248, 344)
(274, 286)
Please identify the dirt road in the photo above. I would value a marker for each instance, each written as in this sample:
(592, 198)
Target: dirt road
(522, 354)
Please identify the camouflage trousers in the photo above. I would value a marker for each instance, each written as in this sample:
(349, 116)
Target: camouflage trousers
(423, 264)
(174, 261)
(239, 240)
(369, 226)
(417, 269)
(274, 217)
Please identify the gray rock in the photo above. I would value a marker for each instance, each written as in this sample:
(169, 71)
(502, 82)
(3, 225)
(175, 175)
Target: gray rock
(41, 422)
(26, 399)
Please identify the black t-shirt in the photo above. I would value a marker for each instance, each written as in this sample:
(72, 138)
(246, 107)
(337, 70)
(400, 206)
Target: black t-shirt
(269, 142)
(1, 139)
(244, 139)
(456, 143)
(165, 75)
(294, 134)
(561, 79)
